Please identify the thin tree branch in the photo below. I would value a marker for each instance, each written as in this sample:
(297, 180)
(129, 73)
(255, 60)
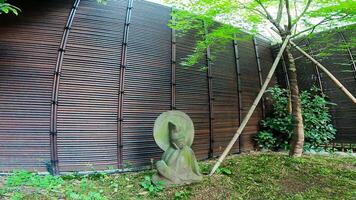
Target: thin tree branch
(265, 9)
(302, 13)
(270, 18)
(312, 28)
(256, 11)
(288, 15)
(295, 14)
(280, 10)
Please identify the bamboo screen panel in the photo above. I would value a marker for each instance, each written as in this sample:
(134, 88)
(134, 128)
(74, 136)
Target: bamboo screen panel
(81, 85)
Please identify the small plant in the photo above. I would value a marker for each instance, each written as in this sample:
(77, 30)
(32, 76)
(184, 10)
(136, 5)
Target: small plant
(331, 150)
(182, 195)
(349, 151)
(223, 170)
(153, 188)
(17, 196)
(204, 168)
(85, 189)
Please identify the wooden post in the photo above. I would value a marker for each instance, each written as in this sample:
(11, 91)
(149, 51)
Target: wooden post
(337, 82)
(238, 80)
(253, 107)
(123, 65)
(211, 98)
(55, 90)
(173, 67)
(259, 69)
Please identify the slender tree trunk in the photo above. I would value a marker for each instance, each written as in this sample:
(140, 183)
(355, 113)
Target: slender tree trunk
(297, 141)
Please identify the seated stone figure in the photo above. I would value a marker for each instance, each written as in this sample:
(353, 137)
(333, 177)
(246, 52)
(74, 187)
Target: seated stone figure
(178, 164)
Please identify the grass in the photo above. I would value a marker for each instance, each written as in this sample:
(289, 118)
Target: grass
(247, 176)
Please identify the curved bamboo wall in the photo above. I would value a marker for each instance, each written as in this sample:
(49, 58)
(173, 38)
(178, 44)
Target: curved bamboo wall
(81, 85)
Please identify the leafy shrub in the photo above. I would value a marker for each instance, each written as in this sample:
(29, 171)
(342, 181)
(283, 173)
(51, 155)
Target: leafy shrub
(277, 130)
(266, 139)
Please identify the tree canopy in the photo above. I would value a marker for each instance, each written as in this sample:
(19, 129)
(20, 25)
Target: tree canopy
(275, 18)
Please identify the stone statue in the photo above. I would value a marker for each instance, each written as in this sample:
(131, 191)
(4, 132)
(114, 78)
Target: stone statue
(174, 134)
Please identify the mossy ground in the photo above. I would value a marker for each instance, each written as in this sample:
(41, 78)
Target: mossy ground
(253, 176)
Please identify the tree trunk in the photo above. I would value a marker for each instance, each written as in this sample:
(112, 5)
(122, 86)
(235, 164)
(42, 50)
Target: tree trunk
(297, 141)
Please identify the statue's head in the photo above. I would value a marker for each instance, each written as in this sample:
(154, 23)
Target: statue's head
(176, 136)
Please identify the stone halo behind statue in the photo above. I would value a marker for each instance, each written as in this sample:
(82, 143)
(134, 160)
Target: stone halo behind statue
(174, 134)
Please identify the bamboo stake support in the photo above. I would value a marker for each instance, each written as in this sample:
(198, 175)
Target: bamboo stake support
(253, 107)
(332, 77)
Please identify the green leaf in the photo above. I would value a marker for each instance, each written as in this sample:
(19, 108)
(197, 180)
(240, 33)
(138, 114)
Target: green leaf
(151, 188)
(5, 9)
(147, 178)
(14, 10)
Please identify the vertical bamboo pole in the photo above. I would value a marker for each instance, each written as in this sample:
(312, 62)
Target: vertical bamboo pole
(55, 90)
(173, 66)
(253, 107)
(332, 77)
(211, 98)
(123, 65)
(259, 69)
(238, 80)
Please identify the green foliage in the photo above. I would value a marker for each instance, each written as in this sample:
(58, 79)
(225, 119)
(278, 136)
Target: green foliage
(84, 190)
(182, 195)
(277, 129)
(304, 18)
(82, 187)
(17, 196)
(200, 19)
(224, 170)
(317, 120)
(335, 8)
(8, 8)
(331, 150)
(25, 178)
(254, 176)
(205, 168)
(151, 187)
(266, 139)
